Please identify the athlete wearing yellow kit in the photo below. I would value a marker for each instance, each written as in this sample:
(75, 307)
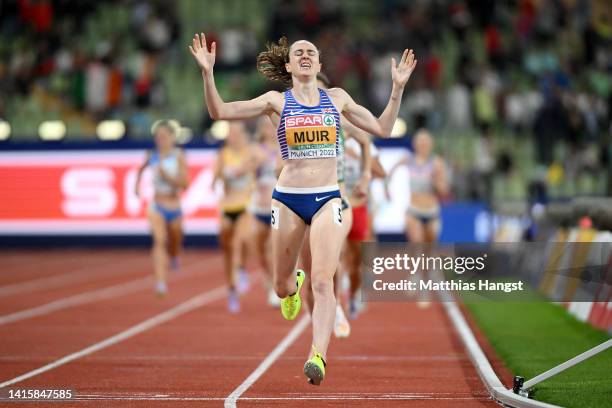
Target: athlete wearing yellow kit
(237, 184)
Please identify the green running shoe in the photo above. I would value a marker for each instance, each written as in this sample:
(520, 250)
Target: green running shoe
(314, 369)
(291, 305)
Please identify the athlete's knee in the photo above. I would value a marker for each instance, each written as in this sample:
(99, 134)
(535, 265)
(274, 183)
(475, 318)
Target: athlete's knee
(160, 243)
(322, 285)
(280, 287)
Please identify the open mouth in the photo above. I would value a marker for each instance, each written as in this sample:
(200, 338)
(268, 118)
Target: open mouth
(305, 64)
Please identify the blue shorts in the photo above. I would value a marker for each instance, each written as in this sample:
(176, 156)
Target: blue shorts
(305, 202)
(168, 214)
(266, 219)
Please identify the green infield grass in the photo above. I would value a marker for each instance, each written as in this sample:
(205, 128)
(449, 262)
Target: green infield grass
(533, 337)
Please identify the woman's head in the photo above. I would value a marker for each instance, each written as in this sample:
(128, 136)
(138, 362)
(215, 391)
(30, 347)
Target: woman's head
(237, 134)
(422, 143)
(164, 132)
(281, 61)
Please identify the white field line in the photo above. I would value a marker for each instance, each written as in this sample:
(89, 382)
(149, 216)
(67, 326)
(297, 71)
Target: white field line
(230, 401)
(79, 299)
(78, 275)
(296, 396)
(216, 357)
(185, 307)
(83, 298)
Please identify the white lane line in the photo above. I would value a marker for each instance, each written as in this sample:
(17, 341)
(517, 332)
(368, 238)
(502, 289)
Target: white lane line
(185, 307)
(80, 299)
(78, 275)
(216, 357)
(483, 366)
(230, 401)
(84, 298)
(306, 397)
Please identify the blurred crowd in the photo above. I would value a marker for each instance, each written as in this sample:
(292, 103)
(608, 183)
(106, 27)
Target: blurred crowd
(527, 82)
(48, 43)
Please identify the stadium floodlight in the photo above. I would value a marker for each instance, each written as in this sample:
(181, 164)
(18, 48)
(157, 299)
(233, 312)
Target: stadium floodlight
(220, 129)
(184, 135)
(110, 130)
(399, 128)
(5, 129)
(51, 130)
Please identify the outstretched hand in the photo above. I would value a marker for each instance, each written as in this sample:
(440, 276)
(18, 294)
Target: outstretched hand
(400, 73)
(199, 50)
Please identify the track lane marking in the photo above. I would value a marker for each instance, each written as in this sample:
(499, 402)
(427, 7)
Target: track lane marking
(298, 328)
(75, 276)
(79, 299)
(305, 397)
(83, 298)
(182, 308)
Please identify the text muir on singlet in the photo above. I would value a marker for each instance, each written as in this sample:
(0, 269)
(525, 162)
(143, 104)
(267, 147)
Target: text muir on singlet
(311, 136)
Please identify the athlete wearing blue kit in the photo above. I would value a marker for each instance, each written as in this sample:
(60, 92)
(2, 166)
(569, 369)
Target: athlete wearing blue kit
(308, 123)
(169, 171)
(307, 132)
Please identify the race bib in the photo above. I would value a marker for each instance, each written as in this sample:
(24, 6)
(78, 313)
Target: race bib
(311, 136)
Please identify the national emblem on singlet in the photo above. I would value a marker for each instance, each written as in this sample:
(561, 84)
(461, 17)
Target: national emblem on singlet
(311, 136)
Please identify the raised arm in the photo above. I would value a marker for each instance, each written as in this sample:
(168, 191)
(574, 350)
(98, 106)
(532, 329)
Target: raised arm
(217, 108)
(363, 118)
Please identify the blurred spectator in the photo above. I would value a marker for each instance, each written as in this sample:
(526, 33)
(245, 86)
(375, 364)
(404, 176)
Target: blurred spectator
(538, 71)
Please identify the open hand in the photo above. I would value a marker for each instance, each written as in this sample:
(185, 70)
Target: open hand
(199, 50)
(400, 73)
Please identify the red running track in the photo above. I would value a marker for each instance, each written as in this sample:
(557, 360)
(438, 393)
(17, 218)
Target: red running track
(196, 354)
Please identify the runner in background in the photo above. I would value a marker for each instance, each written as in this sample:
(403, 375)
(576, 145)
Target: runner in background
(170, 177)
(428, 182)
(264, 160)
(237, 176)
(357, 178)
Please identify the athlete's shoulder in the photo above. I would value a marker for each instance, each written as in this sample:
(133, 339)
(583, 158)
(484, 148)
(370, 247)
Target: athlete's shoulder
(273, 96)
(274, 100)
(336, 92)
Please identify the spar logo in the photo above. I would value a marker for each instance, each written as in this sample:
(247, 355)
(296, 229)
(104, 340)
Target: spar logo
(316, 120)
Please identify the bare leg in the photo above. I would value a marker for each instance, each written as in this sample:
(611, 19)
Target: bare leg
(286, 243)
(305, 263)
(354, 261)
(326, 238)
(415, 233)
(259, 246)
(159, 250)
(175, 239)
(347, 223)
(226, 237)
(432, 231)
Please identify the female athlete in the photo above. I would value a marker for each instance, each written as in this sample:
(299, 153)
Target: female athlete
(306, 194)
(428, 181)
(232, 169)
(348, 133)
(165, 217)
(356, 174)
(265, 159)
